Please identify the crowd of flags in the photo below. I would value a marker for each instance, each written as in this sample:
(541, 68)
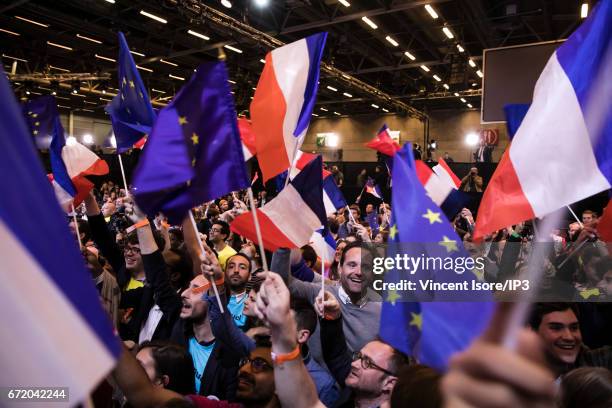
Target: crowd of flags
(196, 151)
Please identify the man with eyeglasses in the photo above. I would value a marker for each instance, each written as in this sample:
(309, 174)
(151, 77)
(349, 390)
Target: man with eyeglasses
(218, 233)
(256, 376)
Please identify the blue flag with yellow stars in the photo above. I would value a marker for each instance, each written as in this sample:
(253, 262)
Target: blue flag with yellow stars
(130, 110)
(429, 325)
(194, 152)
(42, 119)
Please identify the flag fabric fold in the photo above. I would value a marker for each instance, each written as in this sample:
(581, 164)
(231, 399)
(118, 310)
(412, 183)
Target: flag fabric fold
(283, 102)
(40, 116)
(291, 218)
(130, 110)
(562, 151)
(50, 308)
(442, 190)
(247, 137)
(443, 171)
(383, 142)
(193, 153)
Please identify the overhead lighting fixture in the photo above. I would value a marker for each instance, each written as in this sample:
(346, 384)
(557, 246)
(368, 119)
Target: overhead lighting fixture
(110, 1)
(348, 95)
(315, 115)
(104, 58)
(157, 90)
(65, 107)
(263, 61)
(13, 58)
(65, 47)
(153, 17)
(71, 140)
(262, 3)
(479, 73)
(369, 22)
(472, 63)
(231, 82)
(425, 68)
(469, 105)
(375, 106)
(447, 32)
(10, 32)
(446, 86)
(105, 99)
(437, 78)
(168, 62)
(144, 69)
(474, 84)
(27, 20)
(324, 109)
(460, 48)
(87, 138)
(176, 77)
(331, 88)
(196, 34)
(431, 11)
(344, 3)
(90, 103)
(409, 55)
(456, 94)
(346, 76)
(229, 47)
(462, 100)
(391, 41)
(584, 10)
(337, 113)
(472, 139)
(137, 53)
(386, 110)
(76, 87)
(62, 97)
(254, 88)
(88, 39)
(59, 69)
(226, 3)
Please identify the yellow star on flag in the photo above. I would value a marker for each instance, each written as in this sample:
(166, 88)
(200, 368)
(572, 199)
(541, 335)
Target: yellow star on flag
(393, 231)
(195, 139)
(449, 244)
(183, 120)
(433, 217)
(132, 84)
(193, 162)
(393, 296)
(417, 320)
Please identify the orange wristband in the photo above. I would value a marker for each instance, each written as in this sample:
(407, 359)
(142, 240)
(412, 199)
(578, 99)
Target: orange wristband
(279, 359)
(139, 224)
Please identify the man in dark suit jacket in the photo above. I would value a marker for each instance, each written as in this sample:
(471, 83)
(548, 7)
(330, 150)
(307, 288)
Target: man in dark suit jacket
(484, 154)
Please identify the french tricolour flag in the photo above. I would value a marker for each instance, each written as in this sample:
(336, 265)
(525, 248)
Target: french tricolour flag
(55, 333)
(373, 189)
(283, 102)
(332, 196)
(562, 151)
(440, 190)
(289, 220)
(247, 138)
(446, 174)
(383, 142)
(324, 246)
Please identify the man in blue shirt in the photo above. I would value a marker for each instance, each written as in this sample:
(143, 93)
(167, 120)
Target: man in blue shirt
(237, 274)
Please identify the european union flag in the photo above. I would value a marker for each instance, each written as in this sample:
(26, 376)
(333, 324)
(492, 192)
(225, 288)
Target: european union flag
(427, 324)
(130, 111)
(41, 114)
(194, 153)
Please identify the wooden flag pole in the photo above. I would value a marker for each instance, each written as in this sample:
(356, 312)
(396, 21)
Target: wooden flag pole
(264, 261)
(575, 216)
(127, 192)
(76, 227)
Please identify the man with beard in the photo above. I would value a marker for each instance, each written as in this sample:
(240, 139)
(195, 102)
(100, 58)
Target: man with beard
(558, 327)
(218, 233)
(256, 376)
(237, 274)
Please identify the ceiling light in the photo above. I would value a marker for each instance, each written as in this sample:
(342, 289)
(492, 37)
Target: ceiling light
(229, 47)
(226, 3)
(13, 58)
(105, 99)
(144, 69)
(62, 97)
(425, 68)
(153, 17)
(369, 22)
(469, 105)
(431, 11)
(448, 32)
(63, 106)
(375, 106)
(263, 61)
(446, 86)
(584, 10)
(409, 55)
(65, 47)
(456, 94)
(71, 140)
(90, 103)
(337, 113)
(391, 41)
(262, 3)
(196, 34)
(348, 95)
(87, 139)
(386, 110)
(59, 69)
(88, 39)
(254, 88)
(474, 84)
(176, 77)
(331, 88)
(137, 53)
(157, 90)
(314, 114)
(168, 62)
(472, 63)
(462, 100)
(32, 21)
(110, 1)
(437, 78)
(479, 73)
(231, 82)
(460, 48)
(9, 32)
(76, 86)
(323, 109)
(344, 3)
(472, 139)
(104, 58)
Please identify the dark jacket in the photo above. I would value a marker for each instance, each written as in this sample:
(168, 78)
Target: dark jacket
(220, 377)
(337, 358)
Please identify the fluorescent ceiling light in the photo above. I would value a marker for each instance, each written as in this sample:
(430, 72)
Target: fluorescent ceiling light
(369, 22)
(90, 103)
(409, 55)
(157, 90)
(447, 32)
(386, 110)
(27, 20)
(196, 34)
(88, 39)
(462, 100)
(460, 48)
(226, 3)
(87, 110)
(137, 53)
(472, 63)
(14, 58)
(348, 95)
(391, 41)
(323, 109)
(10, 32)
(584, 10)
(65, 47)
(456, 94)
(331, 88)
(337, 113)
(110, 1)
(231, 82)
(446, 86)
(469, 105)
(153, 17)
(437, 78)
(261, 3)
(168, 62)
(375, 106)
(431, 11)
(104, 58)
(144, 69)
(344, 3)
(425, 68)
(67, 107)
(263, 61)
(479, 73)
(314, 114)
(229, 47)
(176, 77)
(59, 69)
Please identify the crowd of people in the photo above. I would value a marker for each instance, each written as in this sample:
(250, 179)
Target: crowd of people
(217, 330)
